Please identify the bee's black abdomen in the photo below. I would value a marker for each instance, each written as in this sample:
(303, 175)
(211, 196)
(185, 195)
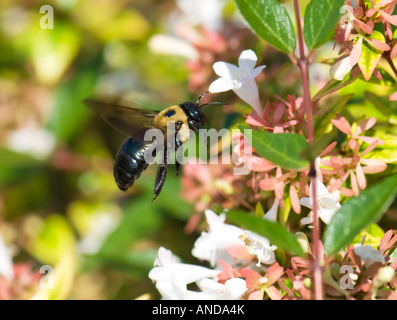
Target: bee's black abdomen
(130, 162)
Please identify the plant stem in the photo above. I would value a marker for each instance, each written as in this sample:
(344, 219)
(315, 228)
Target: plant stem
(303, 65)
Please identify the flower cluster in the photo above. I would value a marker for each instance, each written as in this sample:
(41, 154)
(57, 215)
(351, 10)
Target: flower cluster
(229, 250)
(356, 32)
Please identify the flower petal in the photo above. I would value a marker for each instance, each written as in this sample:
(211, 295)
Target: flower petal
(254, 73)
(365, 125)
(356, 52)
(226, 70)
(271, 215)
(247, 60)
(340, 69)
(306, 202)
(307, 220)
(342, 124)
(327, 214)
(248, 91)
(360, 177)
(220, 85)
(294, 199)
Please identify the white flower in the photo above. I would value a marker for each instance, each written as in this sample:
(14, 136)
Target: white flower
(165, 44)
(211, 246)
(37, 142)
(167, 268)
(172, 278)
(233, 289)
(239, 79)
(6, 269)
(327, 203)
(207, 13)
(260, 247)
(369, 255)
(176, 289)
(341, 68)
(271, 215)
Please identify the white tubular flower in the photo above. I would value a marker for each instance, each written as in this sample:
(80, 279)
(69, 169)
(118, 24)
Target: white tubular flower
(260, 247)
(176, 289)
(211, 246)
(172, 278)
(271, 215)
(167, 266)
(369, 255)
(240, 79)
(233, 289)
(341, 68)
(327, 203)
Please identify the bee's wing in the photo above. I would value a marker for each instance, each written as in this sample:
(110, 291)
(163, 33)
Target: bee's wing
(124, 119)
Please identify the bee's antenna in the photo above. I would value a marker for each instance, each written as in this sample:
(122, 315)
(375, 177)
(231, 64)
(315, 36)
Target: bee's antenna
(209, 103)
(216, 102)
(202, 95)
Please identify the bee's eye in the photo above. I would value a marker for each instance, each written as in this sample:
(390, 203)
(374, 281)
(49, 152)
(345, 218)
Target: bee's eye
(170, 113)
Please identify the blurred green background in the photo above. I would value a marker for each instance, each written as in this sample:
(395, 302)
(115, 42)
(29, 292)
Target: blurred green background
(59, 204)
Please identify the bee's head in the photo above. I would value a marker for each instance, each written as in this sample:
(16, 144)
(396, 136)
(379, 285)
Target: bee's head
(195, 114)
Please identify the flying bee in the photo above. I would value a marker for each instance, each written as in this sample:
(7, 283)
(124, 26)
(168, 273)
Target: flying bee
(131, 158)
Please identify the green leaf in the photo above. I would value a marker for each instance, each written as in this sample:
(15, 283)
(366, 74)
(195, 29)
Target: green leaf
(273, 231)
(383, 104)
(18, 167)
(387, 152)
(372, 234)
(332, 86)
(357, 213)
(313, 150)
(270, 21)
(69, 114)
(283, 149)
(139, 221)
(370, 56)
(56, 50)
(387, 79)
(322, 122)
(320, 19)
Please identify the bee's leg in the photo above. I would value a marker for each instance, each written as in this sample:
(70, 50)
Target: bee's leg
(179, 155)
(161, 175)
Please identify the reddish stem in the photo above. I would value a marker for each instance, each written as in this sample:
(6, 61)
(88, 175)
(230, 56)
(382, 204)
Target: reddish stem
(303, 65)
